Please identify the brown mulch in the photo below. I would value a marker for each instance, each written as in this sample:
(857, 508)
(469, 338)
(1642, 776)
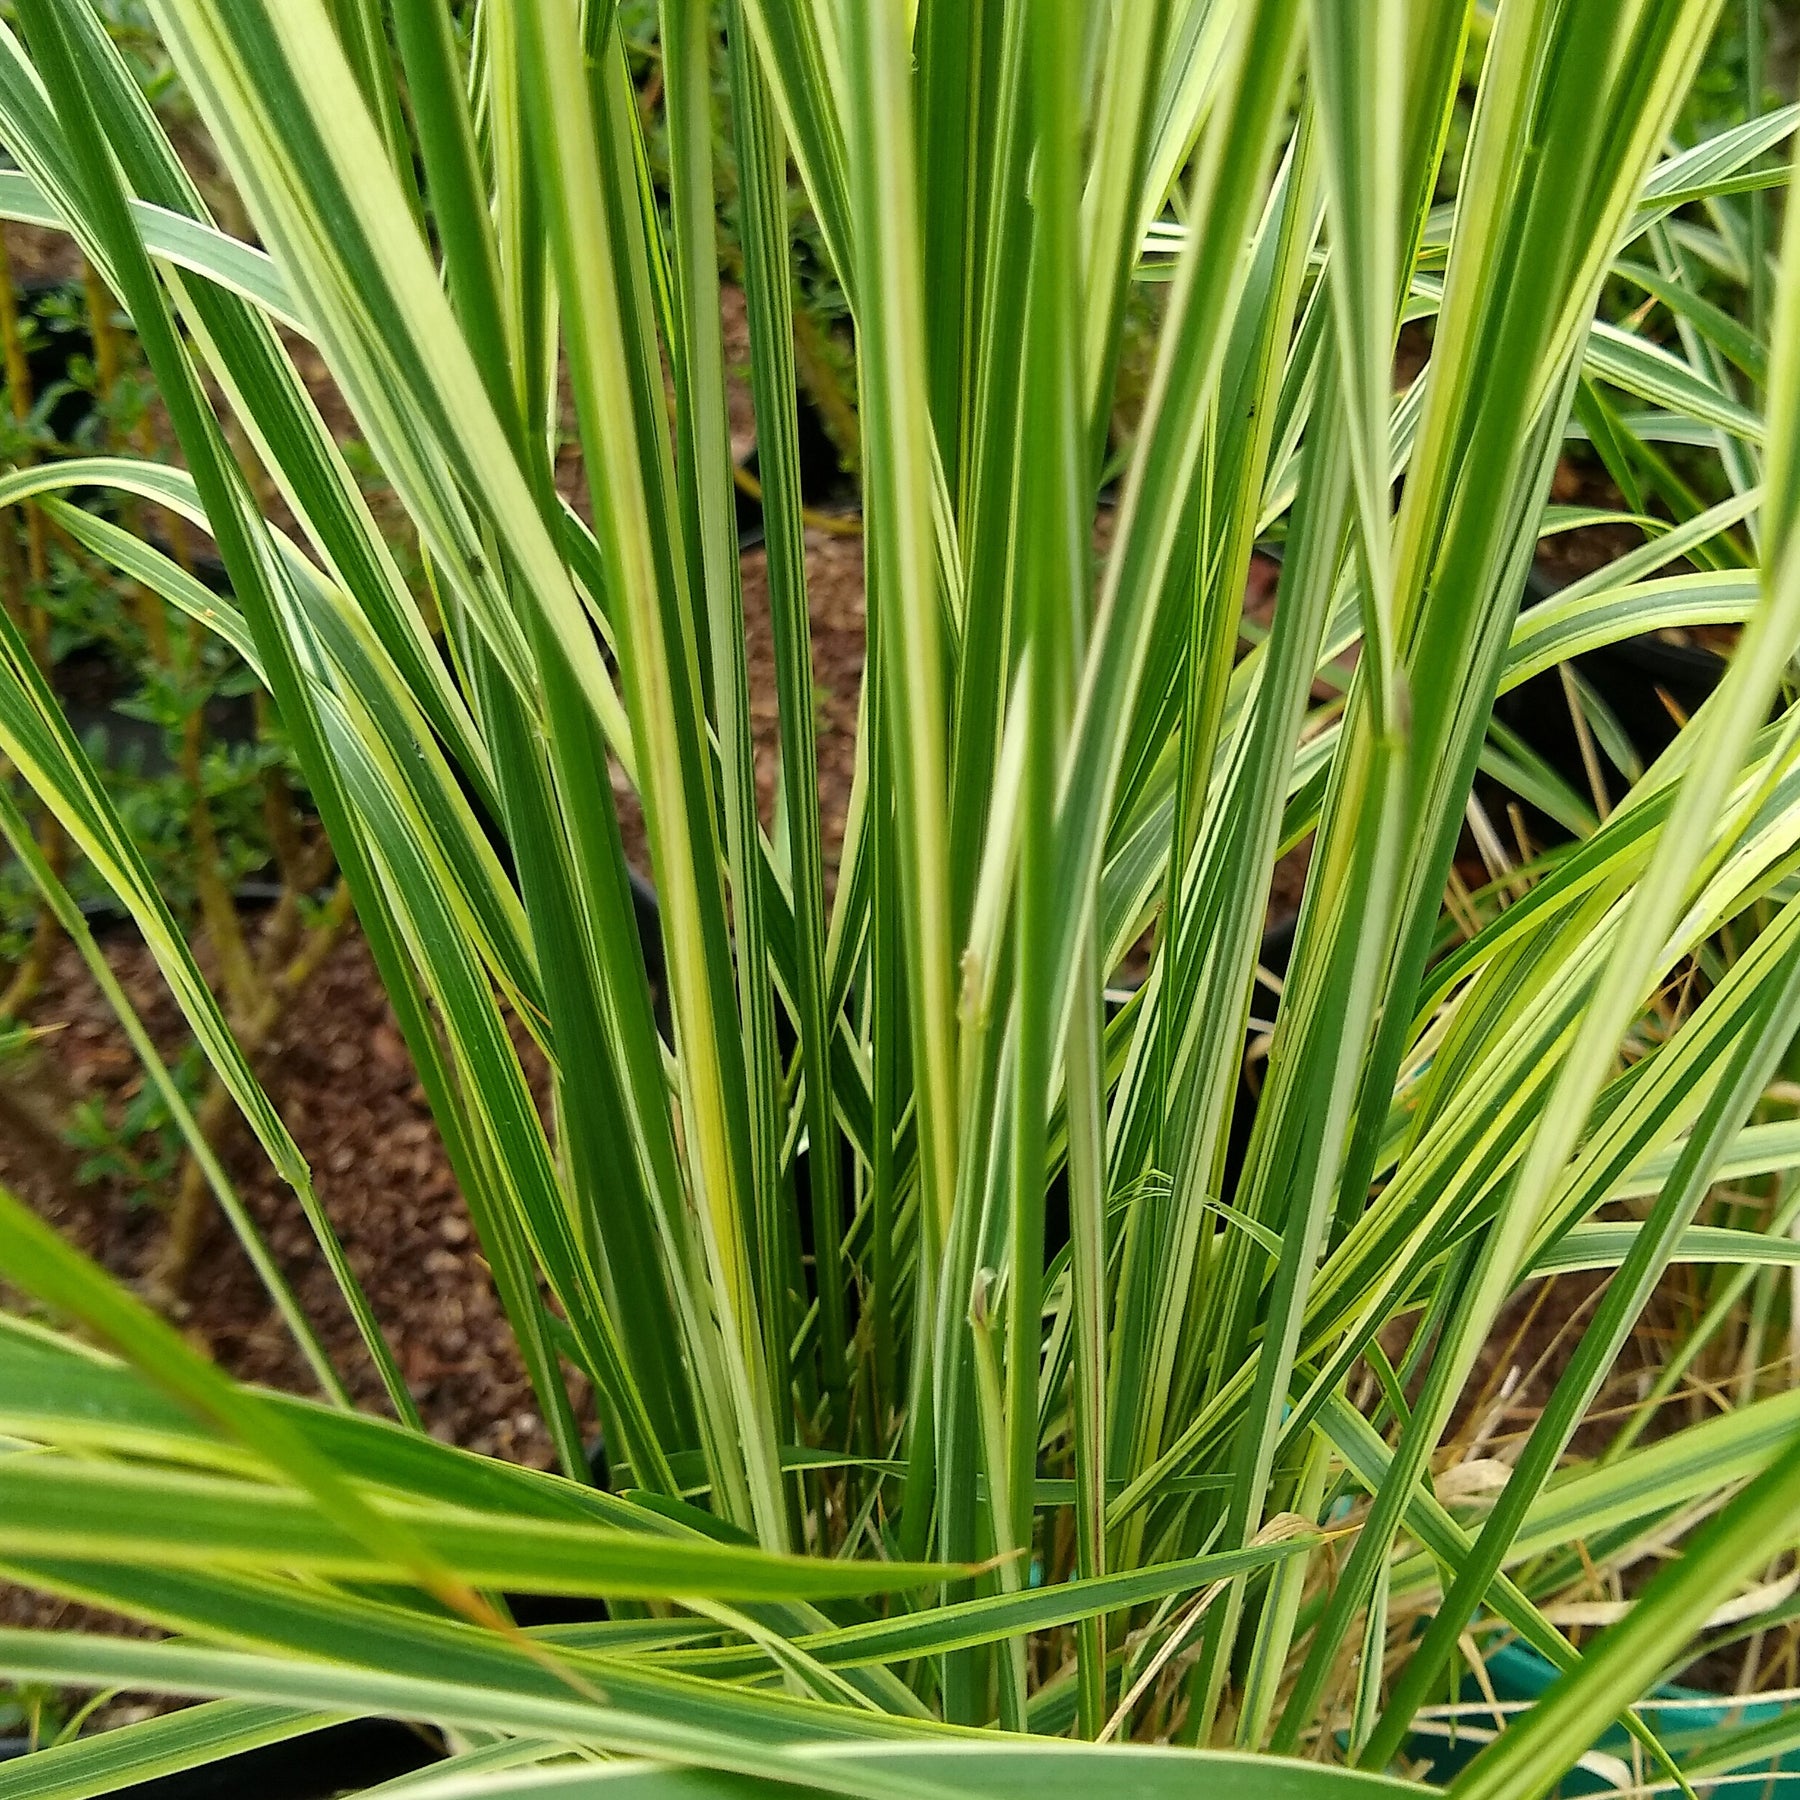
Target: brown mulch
(338, 1072)
(1581, 480)
(834, 596)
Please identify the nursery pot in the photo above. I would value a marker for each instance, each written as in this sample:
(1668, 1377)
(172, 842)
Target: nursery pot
(1684, 1717)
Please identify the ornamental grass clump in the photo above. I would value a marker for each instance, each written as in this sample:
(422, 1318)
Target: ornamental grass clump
(983, 1368)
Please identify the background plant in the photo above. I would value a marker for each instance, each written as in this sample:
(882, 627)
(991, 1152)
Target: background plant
(177, 728)
(856, 1376)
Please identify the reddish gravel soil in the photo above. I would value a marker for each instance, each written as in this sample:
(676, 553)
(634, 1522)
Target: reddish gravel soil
(339, 1074)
